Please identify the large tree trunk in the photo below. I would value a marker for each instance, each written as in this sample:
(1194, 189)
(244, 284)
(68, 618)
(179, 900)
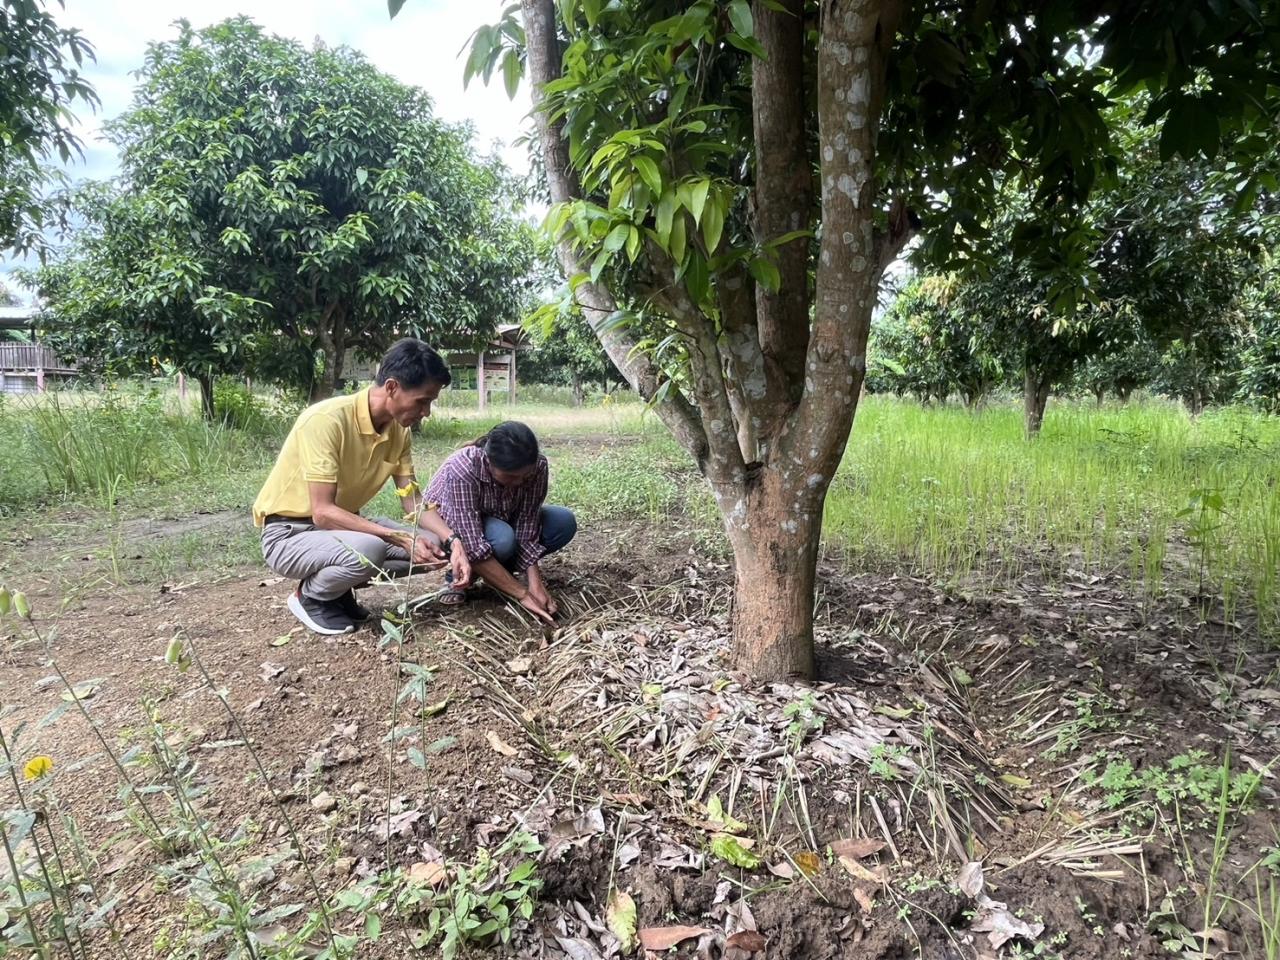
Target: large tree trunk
(333, 347)
(1035, 395)
(775, 555)
(772, 387)
(579, 396)
(205, 379)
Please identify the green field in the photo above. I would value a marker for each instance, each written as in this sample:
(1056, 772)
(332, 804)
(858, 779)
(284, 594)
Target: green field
(1142, 489)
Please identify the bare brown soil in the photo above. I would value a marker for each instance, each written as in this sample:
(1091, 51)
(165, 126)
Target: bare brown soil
(631, 708)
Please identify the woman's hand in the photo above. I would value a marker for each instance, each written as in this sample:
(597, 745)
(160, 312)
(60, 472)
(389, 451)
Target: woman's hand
(538, 590)
(460, 564)
(530, 603)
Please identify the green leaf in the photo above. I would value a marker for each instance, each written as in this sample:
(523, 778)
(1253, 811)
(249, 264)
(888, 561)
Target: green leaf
(731, 850)
(663, 215)
(361, 175)
(441, 745)
(511, 71)
(697, 199)
(713, 223)
(633, 244)
(716, 814)
(616, 238)
(592, 10)
(747, 45)
(696, 279)
(372, 926)
(766, 274)
(679, 240)
(649, 173)
(621, 918)
(740, 17)
(393, 7)
(597, 266)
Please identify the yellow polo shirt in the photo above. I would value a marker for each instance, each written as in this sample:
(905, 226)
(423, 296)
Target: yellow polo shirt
(333, 441)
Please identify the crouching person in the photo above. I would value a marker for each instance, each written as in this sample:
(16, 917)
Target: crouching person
(336, 458)
(491, 493)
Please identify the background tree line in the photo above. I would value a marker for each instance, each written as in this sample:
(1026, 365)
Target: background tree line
(1179, 291)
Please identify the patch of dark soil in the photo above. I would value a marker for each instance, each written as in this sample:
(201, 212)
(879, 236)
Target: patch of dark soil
(631, 713)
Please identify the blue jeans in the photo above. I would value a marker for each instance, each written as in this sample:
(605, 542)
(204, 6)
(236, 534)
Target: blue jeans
(558, 527)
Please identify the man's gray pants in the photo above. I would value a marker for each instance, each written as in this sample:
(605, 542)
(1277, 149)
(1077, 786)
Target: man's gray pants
(331, 562)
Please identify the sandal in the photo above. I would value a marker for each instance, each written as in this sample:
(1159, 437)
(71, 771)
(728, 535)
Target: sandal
(451, 597)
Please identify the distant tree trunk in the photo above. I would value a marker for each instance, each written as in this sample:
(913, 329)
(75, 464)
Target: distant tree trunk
(333, 347)
(1099, 394)
(578, 393)
(205, 379)
(1123, 393)
(1035, 395)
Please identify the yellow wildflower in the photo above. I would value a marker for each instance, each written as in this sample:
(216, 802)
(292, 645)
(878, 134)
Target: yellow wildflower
(38, 768)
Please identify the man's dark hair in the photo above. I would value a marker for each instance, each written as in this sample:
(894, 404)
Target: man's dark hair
(412, 364)
(510, 446)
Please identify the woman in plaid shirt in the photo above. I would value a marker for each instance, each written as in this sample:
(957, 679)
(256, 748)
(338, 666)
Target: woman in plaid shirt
(491, 495)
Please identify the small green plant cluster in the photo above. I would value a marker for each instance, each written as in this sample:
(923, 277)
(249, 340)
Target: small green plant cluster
(1184, 779)
(458, 904)
(805, 721)
(1093, 713)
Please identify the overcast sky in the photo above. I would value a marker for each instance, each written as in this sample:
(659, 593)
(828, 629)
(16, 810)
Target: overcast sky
(419, 47)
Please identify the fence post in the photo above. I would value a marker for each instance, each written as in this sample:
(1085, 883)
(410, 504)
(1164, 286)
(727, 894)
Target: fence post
(481, 392)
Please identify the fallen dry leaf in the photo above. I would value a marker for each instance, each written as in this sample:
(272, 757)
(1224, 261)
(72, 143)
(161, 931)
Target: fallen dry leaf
(500, 745)
(749, 940)
(864, 900)
(664, 938)
(970, 880)
(859, 872)
(784, 870)
(808, 862)
(1001, 926)
(428, 874)
(856, 849)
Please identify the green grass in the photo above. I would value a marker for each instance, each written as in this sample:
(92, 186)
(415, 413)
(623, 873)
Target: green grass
(953, 492)
(1143, 490)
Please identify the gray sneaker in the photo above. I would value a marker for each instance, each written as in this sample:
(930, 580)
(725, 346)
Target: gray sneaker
(320, 616)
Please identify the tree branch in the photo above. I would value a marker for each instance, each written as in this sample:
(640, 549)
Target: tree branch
(854, 41)
(747, 380)
(783, 193)
(544, 65)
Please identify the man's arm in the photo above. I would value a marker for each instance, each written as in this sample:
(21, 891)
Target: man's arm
(327, 515)
(415, 504)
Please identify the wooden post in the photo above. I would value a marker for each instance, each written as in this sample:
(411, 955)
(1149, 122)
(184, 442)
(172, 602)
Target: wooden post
(40, 379)
(511, 378)
(480, 389)
(182, 391)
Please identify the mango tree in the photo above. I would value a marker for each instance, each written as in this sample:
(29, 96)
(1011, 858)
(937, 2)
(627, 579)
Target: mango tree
(311, 183)
(731, 179)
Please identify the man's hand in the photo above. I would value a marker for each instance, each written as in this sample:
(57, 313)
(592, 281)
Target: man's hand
(460, 564)
(425, 554)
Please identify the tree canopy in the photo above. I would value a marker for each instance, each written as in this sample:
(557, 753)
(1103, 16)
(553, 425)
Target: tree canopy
(40, 82)
(737, 176)
(301, 199)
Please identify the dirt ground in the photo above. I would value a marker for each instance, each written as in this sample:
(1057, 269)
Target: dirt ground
(950, 726)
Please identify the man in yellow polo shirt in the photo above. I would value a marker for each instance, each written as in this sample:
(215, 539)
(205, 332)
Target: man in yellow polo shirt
(335, 460)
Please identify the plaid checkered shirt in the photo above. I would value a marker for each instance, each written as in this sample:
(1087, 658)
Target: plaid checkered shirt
(466, 491)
